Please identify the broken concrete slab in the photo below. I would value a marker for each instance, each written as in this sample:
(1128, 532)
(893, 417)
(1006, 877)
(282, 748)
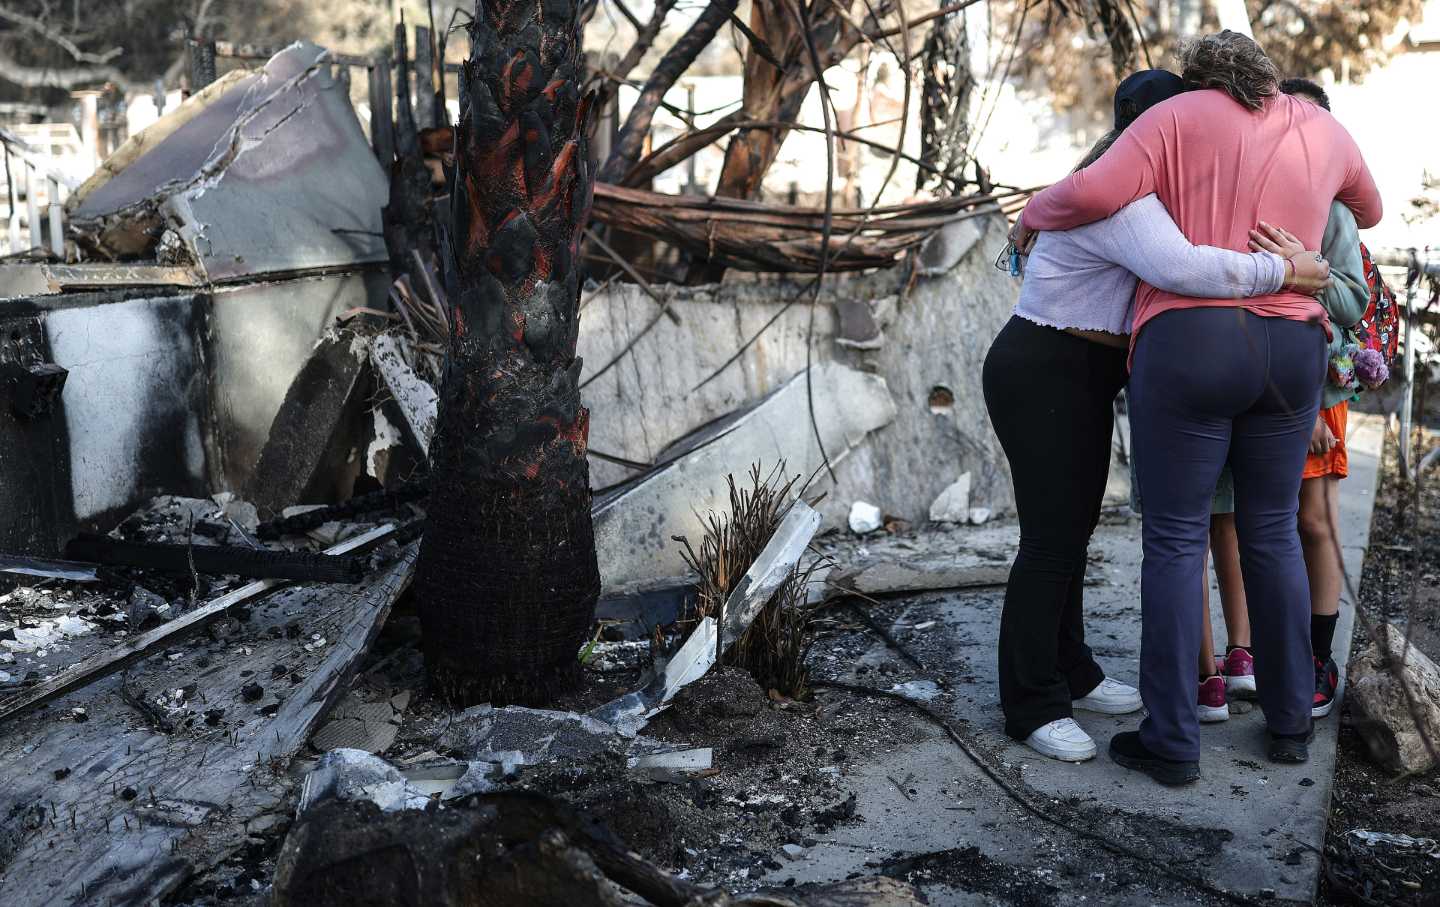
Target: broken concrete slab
(946, 247)
(635, 524)
(858, 328)
(672, 766)
(961, 570)
(309, 454)
(953, 504)
(1394, 693)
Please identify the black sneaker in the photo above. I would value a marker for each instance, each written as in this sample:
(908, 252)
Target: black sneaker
(1291, 749)
(1327, 683)
(1127, 750)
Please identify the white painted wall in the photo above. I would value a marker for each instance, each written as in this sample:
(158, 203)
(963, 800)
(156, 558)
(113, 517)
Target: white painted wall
(133, 368)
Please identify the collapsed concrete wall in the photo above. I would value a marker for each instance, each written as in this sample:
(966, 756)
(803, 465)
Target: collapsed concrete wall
(933, 330)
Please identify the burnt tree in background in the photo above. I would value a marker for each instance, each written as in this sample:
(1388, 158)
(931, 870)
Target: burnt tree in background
(507, 579)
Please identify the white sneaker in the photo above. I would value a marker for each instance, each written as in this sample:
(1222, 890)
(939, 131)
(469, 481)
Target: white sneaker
(1064, 740)
(1111, 697)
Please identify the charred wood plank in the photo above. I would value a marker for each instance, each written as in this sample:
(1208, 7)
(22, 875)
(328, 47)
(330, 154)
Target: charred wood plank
(218, 560)
(138, 647)
(113, 811)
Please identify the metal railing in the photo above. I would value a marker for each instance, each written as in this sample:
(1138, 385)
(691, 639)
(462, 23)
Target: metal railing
(33, 193)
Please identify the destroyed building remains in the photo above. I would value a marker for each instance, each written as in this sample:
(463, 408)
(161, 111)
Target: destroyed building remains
(226, 376)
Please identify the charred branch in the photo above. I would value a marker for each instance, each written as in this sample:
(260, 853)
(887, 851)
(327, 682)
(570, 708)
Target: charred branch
(671, 66)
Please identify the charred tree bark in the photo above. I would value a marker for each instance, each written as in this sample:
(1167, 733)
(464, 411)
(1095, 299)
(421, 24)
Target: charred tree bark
(945, 104)
(1119, 34)
(507, 579)
(777, 93)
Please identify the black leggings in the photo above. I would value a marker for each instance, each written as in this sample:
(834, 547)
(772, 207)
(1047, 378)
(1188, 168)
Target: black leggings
(1051, 399)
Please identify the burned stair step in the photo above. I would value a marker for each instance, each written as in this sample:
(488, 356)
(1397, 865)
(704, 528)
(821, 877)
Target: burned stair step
(217, 559)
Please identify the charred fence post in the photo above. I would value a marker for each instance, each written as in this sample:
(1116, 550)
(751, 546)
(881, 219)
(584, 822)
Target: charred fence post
(382, 127)
(424, 79)
(202, 63)
(507, 579)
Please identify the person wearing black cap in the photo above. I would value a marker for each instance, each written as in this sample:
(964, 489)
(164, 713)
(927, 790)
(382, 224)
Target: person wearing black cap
(1050, 381)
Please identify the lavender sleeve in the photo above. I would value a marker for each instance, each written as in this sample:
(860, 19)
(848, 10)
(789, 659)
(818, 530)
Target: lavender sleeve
(1143, 238)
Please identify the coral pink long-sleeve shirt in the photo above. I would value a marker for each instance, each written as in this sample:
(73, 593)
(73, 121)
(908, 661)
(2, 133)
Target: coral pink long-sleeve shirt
(1220, 169)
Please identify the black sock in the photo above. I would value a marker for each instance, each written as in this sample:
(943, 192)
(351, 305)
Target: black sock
(1322, 634)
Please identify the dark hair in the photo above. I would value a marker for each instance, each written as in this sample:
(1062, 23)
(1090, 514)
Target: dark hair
(1232, 63)
(1309, 89)
(1098, 149)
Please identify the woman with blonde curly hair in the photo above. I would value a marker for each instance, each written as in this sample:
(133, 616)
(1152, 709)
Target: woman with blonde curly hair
(1213, 380)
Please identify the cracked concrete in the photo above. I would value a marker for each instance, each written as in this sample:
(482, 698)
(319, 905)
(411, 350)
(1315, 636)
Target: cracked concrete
(1249, 826)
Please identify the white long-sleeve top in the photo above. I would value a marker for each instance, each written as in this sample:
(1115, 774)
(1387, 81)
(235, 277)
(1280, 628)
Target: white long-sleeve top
(1085, 278)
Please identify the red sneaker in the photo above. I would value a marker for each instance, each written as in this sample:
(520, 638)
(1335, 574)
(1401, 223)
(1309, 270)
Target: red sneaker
(1239, 673)
(1211, 706)
(1327, 684)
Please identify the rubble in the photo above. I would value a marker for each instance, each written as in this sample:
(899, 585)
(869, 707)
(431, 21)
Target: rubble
(635, 523)
(131, 650)
(1390, 685)
(180, 740)
(773, 565)
(307, 455)
(366, 720)
(216, 559)
(865, 518)
(351, 775)
(528, 736)
(953, 504)
(245, 184)
(628, 714)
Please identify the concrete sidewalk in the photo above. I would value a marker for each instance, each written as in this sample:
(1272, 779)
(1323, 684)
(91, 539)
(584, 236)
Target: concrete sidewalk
(1248, 826)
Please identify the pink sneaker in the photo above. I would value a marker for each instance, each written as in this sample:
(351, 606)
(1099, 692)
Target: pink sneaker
(1211, 706)
(1239, 672)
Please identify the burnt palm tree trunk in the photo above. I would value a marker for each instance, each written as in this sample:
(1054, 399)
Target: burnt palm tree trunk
(507, 579)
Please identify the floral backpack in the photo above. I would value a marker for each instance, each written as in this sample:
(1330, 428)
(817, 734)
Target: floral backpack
(1364, 363)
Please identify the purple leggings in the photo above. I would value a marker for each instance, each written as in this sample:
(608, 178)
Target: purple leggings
(1207, 385)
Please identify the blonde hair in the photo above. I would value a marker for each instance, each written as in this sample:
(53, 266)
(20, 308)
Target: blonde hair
(1232, 63)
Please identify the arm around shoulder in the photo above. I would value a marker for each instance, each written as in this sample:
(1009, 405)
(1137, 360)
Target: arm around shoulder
(1146, 241)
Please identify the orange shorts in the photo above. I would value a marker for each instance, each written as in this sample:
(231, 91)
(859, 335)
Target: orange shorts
(1337, 461)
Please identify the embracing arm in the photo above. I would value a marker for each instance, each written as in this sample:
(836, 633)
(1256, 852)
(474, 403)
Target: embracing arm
(1145, 240)
(1346, 300)
(1123, 174)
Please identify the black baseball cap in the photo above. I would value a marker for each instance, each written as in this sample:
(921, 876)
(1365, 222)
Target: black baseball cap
(1142, 90)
